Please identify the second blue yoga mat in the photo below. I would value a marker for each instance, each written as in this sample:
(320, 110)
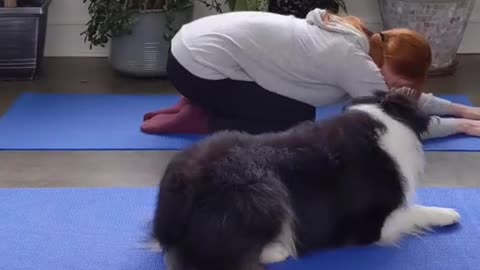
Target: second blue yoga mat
(112, 122)
(106, 229)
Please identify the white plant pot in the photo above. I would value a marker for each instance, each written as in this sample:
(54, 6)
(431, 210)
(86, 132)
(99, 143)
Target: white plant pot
(144, 51)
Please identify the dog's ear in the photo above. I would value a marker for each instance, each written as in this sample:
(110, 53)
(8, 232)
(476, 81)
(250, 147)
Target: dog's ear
(402, 104)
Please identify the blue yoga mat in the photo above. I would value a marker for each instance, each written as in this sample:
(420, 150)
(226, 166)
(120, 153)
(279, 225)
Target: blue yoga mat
(112, 122)
(90, 229)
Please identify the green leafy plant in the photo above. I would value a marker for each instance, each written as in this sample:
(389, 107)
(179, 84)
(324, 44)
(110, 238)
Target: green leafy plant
(114, 17)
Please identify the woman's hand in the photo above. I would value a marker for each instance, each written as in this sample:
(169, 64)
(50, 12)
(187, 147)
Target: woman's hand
(470, 127)
(467, 112)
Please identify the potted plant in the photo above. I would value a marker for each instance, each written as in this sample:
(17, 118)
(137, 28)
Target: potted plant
(300, 8)
(443, 23)
(22, 38)
(139, 31)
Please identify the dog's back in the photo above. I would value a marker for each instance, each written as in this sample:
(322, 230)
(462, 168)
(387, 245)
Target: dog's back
(220, 203)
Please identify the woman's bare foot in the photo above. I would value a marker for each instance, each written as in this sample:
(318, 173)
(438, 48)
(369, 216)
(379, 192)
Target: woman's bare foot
(191, 119)
(174, 109)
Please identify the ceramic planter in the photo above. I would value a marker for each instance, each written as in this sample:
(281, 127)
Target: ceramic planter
(143, 53)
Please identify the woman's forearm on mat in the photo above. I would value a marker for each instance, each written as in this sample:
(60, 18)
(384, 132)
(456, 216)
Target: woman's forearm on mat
(442, 127)
(436, 106)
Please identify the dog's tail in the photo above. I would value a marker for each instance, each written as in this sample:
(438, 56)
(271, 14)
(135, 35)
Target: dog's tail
(225, 223)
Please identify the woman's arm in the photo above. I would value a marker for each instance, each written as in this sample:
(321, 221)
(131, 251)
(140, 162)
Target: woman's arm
(434, 105)
(360, 76)
(462, 120)
(464, 111)
(443, 127)
(438, 106)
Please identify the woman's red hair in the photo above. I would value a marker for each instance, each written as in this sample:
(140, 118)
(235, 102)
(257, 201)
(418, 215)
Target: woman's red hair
(407, 53)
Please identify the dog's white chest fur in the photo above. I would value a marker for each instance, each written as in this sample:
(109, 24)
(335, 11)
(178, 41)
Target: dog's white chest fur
(406, 150)
(403, 146)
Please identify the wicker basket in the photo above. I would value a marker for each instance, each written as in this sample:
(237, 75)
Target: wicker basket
(443, 22)
(22, 39)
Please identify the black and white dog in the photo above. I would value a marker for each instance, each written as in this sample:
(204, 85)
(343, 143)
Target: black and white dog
(237, 201)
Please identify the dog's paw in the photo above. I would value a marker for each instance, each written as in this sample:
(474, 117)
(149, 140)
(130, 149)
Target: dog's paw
(443, 216)
(154, 246)
(274, 253)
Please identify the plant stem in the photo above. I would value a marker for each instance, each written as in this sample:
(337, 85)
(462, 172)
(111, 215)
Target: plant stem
(213, 5)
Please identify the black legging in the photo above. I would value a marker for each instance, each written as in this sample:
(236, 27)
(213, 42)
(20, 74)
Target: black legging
(238, 105)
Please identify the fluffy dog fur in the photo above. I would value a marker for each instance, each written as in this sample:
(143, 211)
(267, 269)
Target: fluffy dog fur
(237, 201)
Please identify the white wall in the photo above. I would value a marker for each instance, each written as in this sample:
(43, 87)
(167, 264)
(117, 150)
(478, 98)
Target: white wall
(67, 20)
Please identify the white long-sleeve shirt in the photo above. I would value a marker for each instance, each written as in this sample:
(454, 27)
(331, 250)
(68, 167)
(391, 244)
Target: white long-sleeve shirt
(303, 59)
